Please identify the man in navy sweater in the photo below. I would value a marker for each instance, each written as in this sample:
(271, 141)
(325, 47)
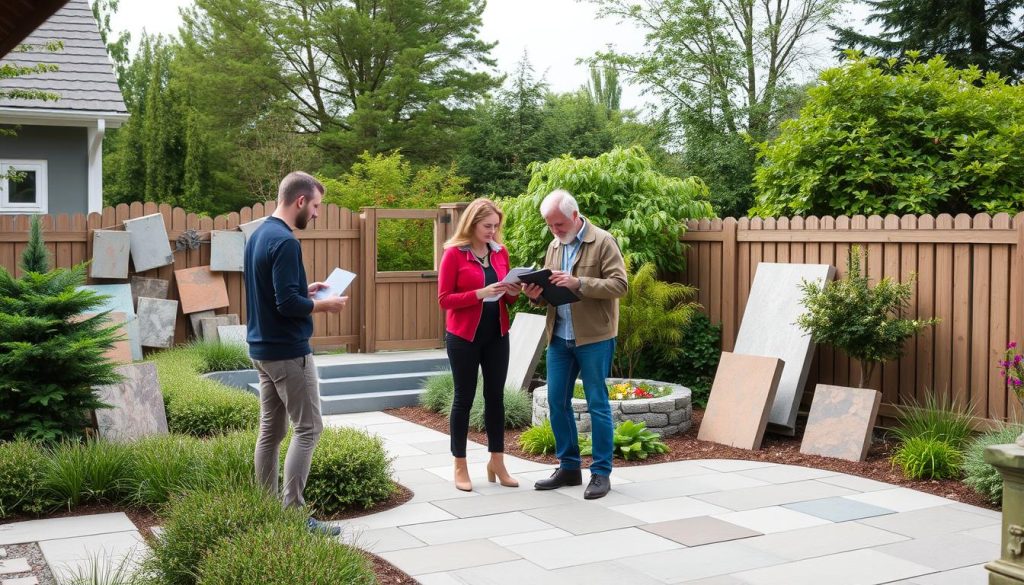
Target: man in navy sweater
(280, 324)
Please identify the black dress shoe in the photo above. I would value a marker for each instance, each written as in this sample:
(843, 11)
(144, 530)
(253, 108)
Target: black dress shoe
(561, 477)
(598, 488)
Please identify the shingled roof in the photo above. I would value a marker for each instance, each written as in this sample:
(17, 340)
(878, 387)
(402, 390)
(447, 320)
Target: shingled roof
(85, 80)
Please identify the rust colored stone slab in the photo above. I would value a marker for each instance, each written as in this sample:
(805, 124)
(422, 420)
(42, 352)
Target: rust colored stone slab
(153, 288)
(137, 405)
(121, 353)
(110, 250)
(200, 289)
(151, 248)
(841, 422)
(741, 398)
(156, 322)
(227, 251)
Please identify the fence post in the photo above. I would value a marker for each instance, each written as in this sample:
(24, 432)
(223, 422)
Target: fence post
(368, 244)
(729, 268)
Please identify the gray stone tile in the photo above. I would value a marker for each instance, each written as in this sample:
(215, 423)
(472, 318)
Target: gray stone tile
(449, 557)
(474, 528)
(227, 251)
(443, 490)
(395, 449)
(929, 522)
(20, 581)
(859, 567)
(729, 465)
(669, 509)
(973, 575)
(688, 564)
(818, 541)
(236, 334)
(403, 515)
(944, 552)
(38, 530)
(508, 573)
(773, 495)
(699, 531)
(901, 499)
(993, 533)
(785, 473)
(687, 486)
(154, 288)
(583, 517)
(137, 405)
(411, 478)
(661, 471)
(838, 509)
(14, 566)
(584, 549)
(382, 539)
(526, 342)
(437, 460)
(995, 514)
(150, 244)
(110, 251)
(520, 500)
(196, 321)
(157, 318)
(72, 557)
(536, 536)
(438, 579)
(772, 519)
(603, 573)
(249, 228)
(855, 483)
(719, 580)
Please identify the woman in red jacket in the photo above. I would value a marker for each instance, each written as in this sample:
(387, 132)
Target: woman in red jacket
(476, 301)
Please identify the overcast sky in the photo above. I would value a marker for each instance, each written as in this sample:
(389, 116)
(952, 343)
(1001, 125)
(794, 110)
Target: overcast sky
(554, 33)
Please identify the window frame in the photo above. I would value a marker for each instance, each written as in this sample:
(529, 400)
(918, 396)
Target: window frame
(41, 204)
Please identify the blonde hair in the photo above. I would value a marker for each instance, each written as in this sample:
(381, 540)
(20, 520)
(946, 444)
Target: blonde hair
(474, 213)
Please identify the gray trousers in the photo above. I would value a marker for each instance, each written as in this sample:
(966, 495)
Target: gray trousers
(289, 390)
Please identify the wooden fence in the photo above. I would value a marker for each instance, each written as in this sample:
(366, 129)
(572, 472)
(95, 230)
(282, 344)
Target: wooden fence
(969, 273)
(335, 239)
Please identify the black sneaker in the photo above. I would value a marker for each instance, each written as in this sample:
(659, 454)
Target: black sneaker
(317, 527)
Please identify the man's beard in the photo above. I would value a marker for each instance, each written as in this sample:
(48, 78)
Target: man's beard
(569, 238)
(302, 220)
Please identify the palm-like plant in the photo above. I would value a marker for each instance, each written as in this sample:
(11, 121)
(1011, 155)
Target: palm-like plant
(652, 312)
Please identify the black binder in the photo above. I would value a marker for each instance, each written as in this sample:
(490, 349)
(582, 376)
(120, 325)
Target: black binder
(554, 295)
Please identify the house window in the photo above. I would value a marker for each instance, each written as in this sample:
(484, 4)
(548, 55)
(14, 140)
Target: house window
(23, 186)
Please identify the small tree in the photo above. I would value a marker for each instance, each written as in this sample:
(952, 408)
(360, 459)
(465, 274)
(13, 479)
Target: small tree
(862, 321)
(653, 312)
(50, 358)
(35, 257)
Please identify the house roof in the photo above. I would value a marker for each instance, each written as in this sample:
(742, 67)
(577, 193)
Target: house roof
(20, 17)
(85, 78)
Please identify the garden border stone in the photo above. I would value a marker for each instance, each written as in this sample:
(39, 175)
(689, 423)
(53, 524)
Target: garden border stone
(667, 415)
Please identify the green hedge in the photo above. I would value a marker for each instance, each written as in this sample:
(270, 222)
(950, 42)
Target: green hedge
(22, 469)
(985, 479)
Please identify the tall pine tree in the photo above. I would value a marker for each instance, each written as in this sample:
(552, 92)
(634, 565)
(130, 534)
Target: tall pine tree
(986, 33)
(35, 257)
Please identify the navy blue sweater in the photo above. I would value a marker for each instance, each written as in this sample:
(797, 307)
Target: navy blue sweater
(279, 310)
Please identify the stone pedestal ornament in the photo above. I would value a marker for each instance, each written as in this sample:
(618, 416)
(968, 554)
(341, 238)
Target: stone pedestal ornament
(1008, 569)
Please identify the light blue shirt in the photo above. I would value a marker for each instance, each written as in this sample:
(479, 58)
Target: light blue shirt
(563, 315)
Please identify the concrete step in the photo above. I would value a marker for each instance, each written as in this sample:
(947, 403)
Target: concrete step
(377, 383)
(368, 401)
(380, 368)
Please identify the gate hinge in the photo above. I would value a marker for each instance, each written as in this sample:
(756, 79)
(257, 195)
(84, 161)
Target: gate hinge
(446, 218)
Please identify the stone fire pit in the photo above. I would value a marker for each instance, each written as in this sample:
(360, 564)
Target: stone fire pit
(667, 416)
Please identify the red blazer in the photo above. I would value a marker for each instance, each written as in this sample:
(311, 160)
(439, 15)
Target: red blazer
(457, 282)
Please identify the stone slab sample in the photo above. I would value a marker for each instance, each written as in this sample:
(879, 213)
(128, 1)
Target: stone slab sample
(14, 566)
(154, 288)
(200, 289)
(110, 252)
(120, 299)
(150, 244)
(841, 422)
(233, 333)
(68, 557)
(227, 251)
(137, 405)
(210, 325)
(20, 581)
(157, 318)
(250, 227)
(121, 353)
(196, 321)
(769, 329)
(667, 416)
(741, 397)
(526, 340)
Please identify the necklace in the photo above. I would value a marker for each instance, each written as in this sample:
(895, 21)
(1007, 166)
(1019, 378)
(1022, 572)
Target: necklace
(481, 258)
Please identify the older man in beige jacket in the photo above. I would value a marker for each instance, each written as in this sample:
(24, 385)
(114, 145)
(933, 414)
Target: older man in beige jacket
(585, 259)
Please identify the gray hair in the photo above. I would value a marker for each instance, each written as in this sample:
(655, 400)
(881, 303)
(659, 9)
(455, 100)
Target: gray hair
(561, 199)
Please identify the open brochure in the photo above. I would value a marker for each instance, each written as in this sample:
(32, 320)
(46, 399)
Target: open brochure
(337, 282)
(511, 278)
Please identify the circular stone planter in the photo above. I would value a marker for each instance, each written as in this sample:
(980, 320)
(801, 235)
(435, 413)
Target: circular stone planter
(667, 416)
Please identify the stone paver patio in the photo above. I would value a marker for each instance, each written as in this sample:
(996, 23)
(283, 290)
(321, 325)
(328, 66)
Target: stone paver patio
(710, 522)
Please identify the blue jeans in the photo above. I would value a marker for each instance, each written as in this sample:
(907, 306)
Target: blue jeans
(591, 362)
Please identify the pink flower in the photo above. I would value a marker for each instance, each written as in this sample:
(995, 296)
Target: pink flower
(1018, 359)
(1011, 345)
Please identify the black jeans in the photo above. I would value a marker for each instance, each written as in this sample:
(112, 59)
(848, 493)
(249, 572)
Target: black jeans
(467, 358)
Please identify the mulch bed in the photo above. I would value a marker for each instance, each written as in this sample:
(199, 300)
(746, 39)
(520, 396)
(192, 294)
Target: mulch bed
(775, 448)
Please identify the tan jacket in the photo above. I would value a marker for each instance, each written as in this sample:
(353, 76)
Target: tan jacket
(602, 273)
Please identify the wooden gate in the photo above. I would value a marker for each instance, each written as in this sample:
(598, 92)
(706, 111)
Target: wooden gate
(401, 310)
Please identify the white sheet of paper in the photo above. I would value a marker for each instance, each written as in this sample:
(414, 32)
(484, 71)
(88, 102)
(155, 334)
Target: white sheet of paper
(511, 278)
(337, 282)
